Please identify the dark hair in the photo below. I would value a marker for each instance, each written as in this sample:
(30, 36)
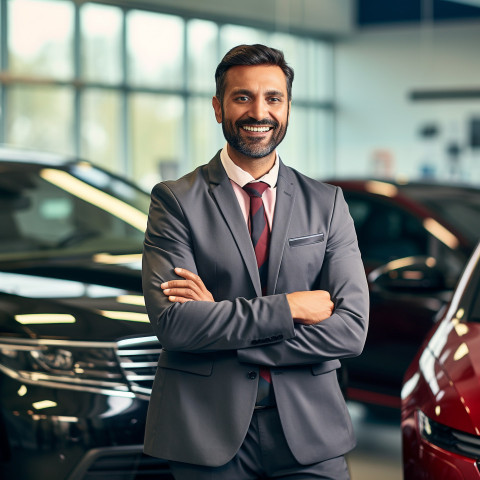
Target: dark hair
(251, 55)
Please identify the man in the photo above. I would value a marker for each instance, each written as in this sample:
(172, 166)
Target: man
(255, 288)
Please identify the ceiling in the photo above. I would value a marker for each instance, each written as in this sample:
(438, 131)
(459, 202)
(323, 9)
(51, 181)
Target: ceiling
(327, 18)
(381, 12)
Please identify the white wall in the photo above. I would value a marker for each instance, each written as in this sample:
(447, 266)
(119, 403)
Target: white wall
(375, 72)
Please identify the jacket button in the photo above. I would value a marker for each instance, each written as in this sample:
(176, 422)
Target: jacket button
(252, 375)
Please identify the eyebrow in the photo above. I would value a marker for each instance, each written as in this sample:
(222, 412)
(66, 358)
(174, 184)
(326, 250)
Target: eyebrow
(268, 93)
(276, 93)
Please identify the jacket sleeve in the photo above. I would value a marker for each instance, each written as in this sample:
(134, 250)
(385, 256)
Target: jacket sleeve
(343, 334)
(199, 326)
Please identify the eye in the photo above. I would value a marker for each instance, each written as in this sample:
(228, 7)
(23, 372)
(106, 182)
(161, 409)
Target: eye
(275, 99)
(242, 99)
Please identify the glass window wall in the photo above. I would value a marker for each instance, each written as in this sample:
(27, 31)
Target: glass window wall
(131, 89)
(156, 133)
(101, 47)
(155, 49)
(40, 38)
(205, 133)
(202, 55)
(40, 117)
(101, 127)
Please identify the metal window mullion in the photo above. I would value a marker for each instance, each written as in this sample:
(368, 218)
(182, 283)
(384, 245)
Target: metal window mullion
(3, 67)
(185, 161)
(3, 35)
(219, 131)
(126, 160)
(77, 107)
(333, 117)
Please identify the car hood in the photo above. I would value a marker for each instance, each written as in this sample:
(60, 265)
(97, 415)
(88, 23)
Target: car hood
(76, 299)
(456, 349)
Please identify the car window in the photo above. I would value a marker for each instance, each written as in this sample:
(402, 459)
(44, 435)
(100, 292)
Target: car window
(384, 231)
(468, 307)
(48, 209)
(458, 207)
(462, 213)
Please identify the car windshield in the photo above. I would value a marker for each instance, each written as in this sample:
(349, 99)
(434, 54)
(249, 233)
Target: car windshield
(73, 209)
(458, 207)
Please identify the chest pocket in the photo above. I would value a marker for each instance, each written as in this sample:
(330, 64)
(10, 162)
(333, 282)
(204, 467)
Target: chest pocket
(301, 263)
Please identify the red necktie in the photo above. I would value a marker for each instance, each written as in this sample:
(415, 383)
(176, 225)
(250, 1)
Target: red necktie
(260, 234)
(259, 230)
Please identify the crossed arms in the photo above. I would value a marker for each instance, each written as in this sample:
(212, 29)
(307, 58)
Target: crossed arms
(307, 307)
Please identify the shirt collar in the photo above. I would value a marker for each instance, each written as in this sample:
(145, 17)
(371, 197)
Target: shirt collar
(241, 177)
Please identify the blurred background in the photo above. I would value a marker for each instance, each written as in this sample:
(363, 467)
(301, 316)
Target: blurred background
(384, 90)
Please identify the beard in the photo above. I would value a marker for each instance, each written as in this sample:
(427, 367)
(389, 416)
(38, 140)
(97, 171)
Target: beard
(251, 146)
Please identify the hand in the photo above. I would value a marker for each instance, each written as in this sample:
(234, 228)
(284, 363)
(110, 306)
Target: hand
(188, 290)
(310, 308)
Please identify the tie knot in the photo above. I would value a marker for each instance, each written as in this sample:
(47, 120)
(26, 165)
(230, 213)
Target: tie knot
(255, 189)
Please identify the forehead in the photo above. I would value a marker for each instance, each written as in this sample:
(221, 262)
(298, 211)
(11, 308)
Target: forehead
(255, 78)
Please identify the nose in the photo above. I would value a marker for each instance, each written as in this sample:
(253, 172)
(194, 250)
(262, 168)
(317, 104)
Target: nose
(258, 109)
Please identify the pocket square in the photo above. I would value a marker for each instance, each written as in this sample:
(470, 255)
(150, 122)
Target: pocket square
(306, 240)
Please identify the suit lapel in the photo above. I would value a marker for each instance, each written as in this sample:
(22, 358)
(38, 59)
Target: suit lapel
(281, 220)
(227, 202)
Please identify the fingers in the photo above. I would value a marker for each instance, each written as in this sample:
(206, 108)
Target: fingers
(178, 299)
(180, 284)
(181, 288)
(195, 281)
(191, 288)
(187, 274)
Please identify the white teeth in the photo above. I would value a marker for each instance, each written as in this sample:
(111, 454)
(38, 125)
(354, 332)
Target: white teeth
(256, 129)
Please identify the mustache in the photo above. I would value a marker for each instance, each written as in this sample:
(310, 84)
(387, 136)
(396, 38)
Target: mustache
(253, 122)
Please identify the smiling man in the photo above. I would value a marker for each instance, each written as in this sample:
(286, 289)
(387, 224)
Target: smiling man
(254, 285)
(254, 112)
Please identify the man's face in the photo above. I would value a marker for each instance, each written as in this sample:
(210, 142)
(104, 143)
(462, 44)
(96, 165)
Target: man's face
(255, 109)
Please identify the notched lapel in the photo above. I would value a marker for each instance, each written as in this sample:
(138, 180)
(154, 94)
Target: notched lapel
(222, 191)
(281, 221)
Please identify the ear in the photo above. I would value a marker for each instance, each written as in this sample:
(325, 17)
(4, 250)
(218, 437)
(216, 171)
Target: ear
(217, 107)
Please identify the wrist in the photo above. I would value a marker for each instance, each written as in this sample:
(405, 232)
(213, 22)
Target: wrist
(292, 304)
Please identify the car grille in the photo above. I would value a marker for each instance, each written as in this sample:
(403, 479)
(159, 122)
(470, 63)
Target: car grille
(138, 358)
(469, 445)
(448, 438)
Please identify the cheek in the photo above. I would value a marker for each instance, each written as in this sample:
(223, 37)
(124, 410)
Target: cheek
(282, 116)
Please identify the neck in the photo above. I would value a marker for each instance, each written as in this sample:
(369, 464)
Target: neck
(256, 167)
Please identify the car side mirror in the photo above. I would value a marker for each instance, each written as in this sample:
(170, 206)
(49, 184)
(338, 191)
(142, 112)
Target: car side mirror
(409, 274)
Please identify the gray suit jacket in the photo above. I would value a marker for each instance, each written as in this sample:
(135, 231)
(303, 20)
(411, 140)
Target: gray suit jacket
(204, 391)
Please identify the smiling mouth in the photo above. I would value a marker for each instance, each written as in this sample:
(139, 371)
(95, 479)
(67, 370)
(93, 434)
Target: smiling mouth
(250, 128)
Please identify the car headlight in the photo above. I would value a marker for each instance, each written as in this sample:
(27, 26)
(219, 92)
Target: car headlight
(86, 366)
(448, 438)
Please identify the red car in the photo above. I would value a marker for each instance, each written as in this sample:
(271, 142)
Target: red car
(415, 240)
(441, 391)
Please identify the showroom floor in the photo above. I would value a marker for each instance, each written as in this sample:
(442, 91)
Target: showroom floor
(378, 455)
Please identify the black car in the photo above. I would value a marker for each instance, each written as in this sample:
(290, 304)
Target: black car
(415, 239)
(77, 355)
